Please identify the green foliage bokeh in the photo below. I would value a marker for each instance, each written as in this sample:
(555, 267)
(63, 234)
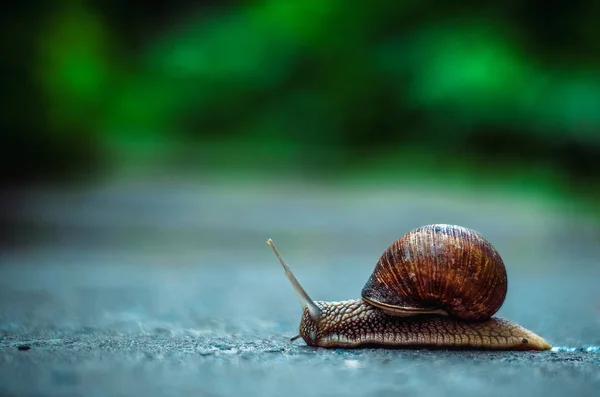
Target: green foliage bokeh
(320, 86)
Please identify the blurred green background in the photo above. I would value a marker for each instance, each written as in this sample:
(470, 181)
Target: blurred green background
(498, 93)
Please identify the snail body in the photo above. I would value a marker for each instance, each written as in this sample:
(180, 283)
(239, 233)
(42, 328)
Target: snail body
(436, 286)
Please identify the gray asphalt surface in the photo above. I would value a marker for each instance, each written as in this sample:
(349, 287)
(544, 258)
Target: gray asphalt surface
(169, 289)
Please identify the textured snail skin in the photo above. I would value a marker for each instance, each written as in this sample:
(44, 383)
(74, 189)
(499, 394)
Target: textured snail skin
(353, 323)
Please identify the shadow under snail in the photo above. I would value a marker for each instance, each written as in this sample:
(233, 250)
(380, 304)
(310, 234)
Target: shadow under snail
(437, 286)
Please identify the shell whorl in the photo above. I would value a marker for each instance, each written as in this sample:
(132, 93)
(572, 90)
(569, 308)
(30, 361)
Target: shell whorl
(439, 268)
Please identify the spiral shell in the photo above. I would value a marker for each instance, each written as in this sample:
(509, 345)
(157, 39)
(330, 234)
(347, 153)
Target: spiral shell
(439, 268)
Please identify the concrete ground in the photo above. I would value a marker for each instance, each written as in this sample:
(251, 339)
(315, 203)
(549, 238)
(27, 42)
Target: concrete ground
(169, 289)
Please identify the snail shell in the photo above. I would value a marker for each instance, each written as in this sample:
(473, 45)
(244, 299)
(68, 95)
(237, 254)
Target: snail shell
(444, 269)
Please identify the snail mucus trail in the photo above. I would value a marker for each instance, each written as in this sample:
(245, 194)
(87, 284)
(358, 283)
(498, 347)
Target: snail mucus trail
(419, 295)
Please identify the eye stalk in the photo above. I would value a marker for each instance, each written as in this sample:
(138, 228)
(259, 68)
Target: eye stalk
(307, 303)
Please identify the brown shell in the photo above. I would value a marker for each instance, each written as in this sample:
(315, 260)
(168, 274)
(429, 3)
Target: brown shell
(439, 268)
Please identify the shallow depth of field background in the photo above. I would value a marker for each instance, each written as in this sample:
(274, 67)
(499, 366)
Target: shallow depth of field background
(503, 94)
(211, 125)
(436, 106)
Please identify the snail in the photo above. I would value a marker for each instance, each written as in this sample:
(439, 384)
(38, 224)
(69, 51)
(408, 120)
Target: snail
(438, 286)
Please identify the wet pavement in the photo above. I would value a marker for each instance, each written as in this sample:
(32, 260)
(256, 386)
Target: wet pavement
(170, 289)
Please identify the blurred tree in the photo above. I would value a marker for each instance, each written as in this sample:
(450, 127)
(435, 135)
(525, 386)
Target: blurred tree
(33, 145)
(313, 86)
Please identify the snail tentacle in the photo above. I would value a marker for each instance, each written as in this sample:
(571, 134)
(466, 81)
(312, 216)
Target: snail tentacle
(305, 300)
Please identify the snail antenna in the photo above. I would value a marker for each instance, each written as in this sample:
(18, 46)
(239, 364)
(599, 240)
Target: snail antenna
(305, 301)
